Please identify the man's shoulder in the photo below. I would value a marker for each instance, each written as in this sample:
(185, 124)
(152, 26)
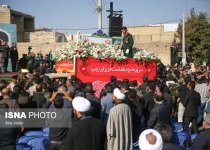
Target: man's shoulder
(204, 132)
(194, 92)
(167, 146)
(89, 120)
(143, 85)
(38, 95)
(8, 100)
(108, 96)
(22, 96)
(148, 95)
(129, 34)
(121, 107)
(92, 97)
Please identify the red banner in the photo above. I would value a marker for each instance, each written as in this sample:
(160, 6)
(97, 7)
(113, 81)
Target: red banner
(99, 71)
(64, 66)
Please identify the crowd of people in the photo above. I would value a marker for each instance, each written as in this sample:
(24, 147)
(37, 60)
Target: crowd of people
(8, 56)
(114, 120)
(10, 62)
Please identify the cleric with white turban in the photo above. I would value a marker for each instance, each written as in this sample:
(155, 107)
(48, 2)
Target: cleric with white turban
(119, 94)
(81, 104)
(150, 139)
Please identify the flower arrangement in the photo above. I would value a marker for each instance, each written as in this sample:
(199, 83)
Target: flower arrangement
(142, 55)
(83, 49)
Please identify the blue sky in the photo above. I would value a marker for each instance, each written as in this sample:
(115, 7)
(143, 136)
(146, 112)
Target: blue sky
(78, 14)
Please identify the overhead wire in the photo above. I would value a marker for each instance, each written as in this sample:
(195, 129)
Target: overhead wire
(90, 4)
(103, 5)
(169, 21)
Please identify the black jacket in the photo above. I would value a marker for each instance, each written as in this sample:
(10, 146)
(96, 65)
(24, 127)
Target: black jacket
(167, 97)
(90, 131)
(202, 141)
(160, 115)
(38, 100)
(136, 109)
(148, 103)
(13, 54)
(96, 104)
(183, 90)
(191, 102)
(172, 146)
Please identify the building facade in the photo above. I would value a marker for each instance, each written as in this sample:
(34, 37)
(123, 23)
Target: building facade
(24, 22)
(159, 39)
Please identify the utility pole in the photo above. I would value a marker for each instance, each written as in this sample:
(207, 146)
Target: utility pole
(99, 14)
(183, 42)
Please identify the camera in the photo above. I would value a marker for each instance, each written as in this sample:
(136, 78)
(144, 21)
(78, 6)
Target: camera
(30, 47)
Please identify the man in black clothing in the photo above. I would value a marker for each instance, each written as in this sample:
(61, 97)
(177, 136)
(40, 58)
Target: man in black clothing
(125, 89)
(59, 125)
(14, 56)
(136, 109)
(161, 112)
(160, 67)
(160, 87)
(87, 133)
(166, 133)
(183, 90)
(202, 141)
(191, 102)
(23, 61)
(8, 134)
(147, 100)
(49, 86)
(38, 99)
(95, 102)
(6, 58)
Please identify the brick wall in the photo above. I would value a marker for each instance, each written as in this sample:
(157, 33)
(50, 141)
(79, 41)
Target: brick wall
(5, 16)
(162, 49)
(41, 37)
(44, 47)
(146, 30)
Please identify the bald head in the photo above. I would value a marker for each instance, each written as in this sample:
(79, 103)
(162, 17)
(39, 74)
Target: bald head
(151, 138)
(5, 92)
(62, 89)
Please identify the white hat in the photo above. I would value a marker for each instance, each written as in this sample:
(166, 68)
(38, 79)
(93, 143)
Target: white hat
(81, 104)
(145, 145)
(119, 94)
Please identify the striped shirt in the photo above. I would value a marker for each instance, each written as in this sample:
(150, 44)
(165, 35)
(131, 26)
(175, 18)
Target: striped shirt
(203, 89)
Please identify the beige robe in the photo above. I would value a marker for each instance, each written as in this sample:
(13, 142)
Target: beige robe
(119, 128)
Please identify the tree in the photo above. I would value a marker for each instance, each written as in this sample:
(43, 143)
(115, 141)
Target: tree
(197, 36)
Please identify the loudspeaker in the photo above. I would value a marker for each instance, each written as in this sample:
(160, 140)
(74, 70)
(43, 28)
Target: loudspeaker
(115, 26)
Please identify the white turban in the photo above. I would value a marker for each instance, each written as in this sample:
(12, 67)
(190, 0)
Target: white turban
(145, 145)
(81, 104)
(119, 94)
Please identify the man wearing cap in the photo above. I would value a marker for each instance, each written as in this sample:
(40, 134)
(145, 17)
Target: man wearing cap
(87, 133)
(119, 124)
(127, 45)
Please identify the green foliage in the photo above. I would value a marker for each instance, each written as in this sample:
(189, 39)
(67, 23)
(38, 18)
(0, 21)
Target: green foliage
(197, 36)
